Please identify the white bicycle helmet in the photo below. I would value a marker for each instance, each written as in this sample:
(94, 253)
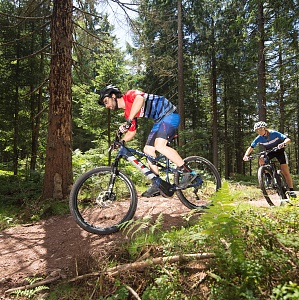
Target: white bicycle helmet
(259, 124)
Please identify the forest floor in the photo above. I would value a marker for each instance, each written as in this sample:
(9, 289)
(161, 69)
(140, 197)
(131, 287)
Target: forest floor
(59, 246)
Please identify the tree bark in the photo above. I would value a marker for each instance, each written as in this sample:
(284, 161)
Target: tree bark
(36, 107)
(181, 75)
(58, 169)
(261, 65)
(281, 93)
(214, 102)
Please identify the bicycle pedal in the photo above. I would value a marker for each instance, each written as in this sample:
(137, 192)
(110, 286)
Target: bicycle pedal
(291, 194)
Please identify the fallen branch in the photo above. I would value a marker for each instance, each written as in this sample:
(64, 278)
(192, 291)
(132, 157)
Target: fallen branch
(33, 285)
(132, 292)
(141, 265)
(137, 266)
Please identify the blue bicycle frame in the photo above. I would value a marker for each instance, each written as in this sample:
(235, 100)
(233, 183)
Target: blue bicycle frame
(165, 185)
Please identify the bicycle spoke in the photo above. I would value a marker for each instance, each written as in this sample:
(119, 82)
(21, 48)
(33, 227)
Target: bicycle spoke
(95, 208)
(269, 186)
(203, 187)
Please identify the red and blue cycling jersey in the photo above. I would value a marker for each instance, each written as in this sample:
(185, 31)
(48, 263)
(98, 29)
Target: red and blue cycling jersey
(155, 107)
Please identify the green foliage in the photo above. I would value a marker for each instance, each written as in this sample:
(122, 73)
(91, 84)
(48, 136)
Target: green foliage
(30, 293)
(17, 195)
(122, 292)
(252, 239)
(144, 231)
(166, 286)
(254, 250)
(287, 291)
(134, 227)
(82, 162)
(20, 200)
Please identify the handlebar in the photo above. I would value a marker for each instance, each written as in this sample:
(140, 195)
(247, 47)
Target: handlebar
(116, 144)
(265, 153)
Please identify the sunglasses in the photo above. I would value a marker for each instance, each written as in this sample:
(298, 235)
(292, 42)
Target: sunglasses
(260, 129)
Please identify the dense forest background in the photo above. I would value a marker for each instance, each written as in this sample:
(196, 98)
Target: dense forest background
(225, 64)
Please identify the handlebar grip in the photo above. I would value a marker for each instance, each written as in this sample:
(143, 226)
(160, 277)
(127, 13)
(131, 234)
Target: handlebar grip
(119, 133)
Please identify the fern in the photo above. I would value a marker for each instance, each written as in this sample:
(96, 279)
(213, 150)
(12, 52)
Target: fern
(221, 226)
(29, 293)
(138, 226)
(133, 227)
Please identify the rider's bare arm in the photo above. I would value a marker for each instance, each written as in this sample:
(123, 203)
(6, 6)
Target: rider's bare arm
(282, 145)
(137, 105)
(129, 136)
(247, 153)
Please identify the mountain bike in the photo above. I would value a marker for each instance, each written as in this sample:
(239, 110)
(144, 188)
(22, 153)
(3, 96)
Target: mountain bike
(104, 198)
(271, 180)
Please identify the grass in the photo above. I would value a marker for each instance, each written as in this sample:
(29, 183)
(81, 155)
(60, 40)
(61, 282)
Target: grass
(20, 201)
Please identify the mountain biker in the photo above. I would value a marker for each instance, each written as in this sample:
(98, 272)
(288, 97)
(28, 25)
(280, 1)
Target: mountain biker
(270, 139)
(138, 104)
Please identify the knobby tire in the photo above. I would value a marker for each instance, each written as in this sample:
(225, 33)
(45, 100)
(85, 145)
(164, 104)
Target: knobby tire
(199, 193)
(271, 191)
(90, 208)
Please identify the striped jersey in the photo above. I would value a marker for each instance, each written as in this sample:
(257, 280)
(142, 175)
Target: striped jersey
(155, 107)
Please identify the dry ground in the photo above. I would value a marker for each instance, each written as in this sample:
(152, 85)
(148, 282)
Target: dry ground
(57, 244)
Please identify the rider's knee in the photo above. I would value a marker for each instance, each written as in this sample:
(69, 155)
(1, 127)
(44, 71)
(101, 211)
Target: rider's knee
(149, 150)
(160, 148)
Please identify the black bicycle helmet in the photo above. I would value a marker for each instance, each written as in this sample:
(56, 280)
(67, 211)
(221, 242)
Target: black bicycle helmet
(107, 91)
(259, 124)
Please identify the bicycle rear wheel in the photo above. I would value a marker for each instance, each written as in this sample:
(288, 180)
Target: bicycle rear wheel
(91, 206)
(270, 187)
(199, 193)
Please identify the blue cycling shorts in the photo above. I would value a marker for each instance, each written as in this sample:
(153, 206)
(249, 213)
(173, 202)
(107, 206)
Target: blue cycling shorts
(165, 129)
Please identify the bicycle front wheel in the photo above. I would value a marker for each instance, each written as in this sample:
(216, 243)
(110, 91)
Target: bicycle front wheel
(270, 187)
(94, 208)
(282, 186)
(199, 193)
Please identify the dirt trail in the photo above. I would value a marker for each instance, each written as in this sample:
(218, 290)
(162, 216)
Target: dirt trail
(58, 245)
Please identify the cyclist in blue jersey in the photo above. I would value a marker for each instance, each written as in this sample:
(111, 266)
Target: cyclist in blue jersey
(270, 139)
(137, 104)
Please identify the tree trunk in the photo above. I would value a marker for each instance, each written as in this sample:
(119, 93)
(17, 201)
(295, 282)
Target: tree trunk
(226, 137)
(297, 120)
(261, 65)
(36, 109)
(281, 93)
(214, 103)
(58, 170)
(16, 124)
(16, 118)
(181, 75)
